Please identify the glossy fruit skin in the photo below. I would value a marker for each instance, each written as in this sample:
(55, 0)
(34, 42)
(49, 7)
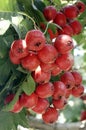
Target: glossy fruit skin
(56, 71)
(78, 90)
(71, 11)
(60, 103)
(50, 116)
(66, 29)
(68, 79)
(81, 6)
(76, 26)
(30, 62)
(48, 54)
(13, 58)
(48, 67)
(19, 48)
(49, 12)
(68, 93)
(60, 19)
(45, 90)
(64, 44)
(41, 106)
(40, 76)
(59, 89)
(28, 101)
(65, 61)
(77, 76)
(35, 40)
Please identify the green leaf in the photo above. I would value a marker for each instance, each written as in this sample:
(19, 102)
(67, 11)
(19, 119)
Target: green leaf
(10, 121)
(39, 4)
(28, 85)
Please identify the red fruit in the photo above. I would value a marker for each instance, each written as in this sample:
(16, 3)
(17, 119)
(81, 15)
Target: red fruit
(13, 58)
(78, 90)
(56, 71)
(66, 29)
(8, 98)
(31, 62)
(68, 93)
(60, 19)
(65, 61)
(48, 54)
(35, 40)
(28, 101)
(59, 89)
(48, 67)
(64, 43)
(50, 115)
(60, 103)
(19, 48)
(68, 79)
(52, 34)
(45, 90)
(83, 115)
(71, 11)
(49, 12)
(17, 107)
(81, 6)
(41, 106)
(76, 26)
(41, 77)
(77, 76)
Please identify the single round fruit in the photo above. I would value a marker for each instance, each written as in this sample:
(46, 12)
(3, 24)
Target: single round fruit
(64, 43)
(56, 71)
(28, 101)
(13, 58)
(49, 12)
(45, 90)
(40, 76)
(59, 89)
(78, 90)
(81, 6)
(35, 40)
(71, 11)
(50, 115)
(48, 54)
(60, 19)
(66, 29)
(68, 79)
(30, 62)
(77, 76)
(41, 106)
(76, 26)
(19, 48)
(65, 61)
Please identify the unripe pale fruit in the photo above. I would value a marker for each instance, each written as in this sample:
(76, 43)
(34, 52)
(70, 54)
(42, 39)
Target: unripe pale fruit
(64, 43)
(35, 40)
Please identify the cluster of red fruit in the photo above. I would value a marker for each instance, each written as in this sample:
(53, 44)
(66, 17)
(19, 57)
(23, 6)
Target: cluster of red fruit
(66, 18)
(45, 60)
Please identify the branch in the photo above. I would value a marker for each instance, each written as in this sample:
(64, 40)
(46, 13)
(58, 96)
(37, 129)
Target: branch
(39, 124)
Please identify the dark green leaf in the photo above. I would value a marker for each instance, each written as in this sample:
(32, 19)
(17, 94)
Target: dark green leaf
(39, 4)
(28, 85)
(10, 121)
